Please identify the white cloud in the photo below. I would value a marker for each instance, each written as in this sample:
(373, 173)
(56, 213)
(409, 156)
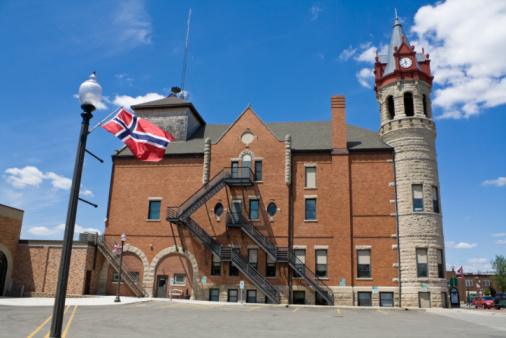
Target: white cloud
(28, 176)
(132, 24)
(499, 234)
(501, 181)
(128, 101)
(59, 182)
(477, 260)
(347, 53)
(86, 192)
(100, 106)
(315, 11)
(365, 76)
(461, 245)
(500, 241)
(477, 264)
(43, 231)
(467, 55)
(367, 55)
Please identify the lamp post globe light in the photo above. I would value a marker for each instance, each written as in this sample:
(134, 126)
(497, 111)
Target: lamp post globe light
(90, 94)
(123, 239)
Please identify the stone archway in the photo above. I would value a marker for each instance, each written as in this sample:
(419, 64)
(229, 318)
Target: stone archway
(7, 266)
(150, 275)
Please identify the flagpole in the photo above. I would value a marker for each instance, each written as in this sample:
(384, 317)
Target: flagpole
(102, 122)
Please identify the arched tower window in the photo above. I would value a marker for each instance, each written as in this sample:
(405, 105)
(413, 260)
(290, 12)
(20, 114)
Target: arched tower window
(391, 109)
(425, 105)
(408, 104)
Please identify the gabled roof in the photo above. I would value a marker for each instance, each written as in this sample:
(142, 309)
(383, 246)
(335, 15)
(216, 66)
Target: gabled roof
(306, 136)
(171, 101)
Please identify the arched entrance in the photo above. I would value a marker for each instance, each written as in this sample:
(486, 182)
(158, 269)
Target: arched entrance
(3, 272)
(179, 265)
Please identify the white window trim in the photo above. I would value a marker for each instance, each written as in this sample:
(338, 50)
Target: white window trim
(363, 247)
(155, 198)
(310, 165)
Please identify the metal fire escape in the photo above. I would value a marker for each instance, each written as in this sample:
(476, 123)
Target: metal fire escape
(127, 276)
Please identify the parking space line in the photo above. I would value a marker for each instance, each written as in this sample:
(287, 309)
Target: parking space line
(253, 308)
(383, 312)
(296, 309)
(70, 321)
(45, 322)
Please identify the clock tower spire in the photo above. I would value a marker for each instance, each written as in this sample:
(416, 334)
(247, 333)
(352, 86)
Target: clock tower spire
(403, 86)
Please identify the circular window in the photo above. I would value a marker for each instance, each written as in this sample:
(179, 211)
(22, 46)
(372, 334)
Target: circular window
(271, 209)
(247, 137)
(218, 209)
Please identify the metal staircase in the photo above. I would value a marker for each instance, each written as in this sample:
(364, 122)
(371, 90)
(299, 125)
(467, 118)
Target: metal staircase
(227, 254)
(126, 275)
(285, 255)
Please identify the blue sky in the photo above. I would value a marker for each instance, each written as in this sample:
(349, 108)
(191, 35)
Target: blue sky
(285, 58)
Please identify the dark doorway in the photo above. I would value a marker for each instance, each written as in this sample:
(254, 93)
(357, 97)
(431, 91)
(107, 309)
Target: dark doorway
(161, 286)
(3, 272)
(87, 283)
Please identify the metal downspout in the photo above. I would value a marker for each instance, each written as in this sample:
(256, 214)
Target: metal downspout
(397, 230)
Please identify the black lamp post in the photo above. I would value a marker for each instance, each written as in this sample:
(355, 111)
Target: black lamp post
(123, 239)
(90, 94)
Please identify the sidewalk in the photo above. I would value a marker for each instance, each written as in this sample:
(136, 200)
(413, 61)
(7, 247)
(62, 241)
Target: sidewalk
(86, 301)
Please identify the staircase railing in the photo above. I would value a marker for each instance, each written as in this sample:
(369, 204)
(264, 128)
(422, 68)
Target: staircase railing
(284, 255)
(227, 254)
(126, 275)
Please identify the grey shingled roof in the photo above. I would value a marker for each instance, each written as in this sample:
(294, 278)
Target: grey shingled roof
(170, 101)
(306, 136)
(396, 41)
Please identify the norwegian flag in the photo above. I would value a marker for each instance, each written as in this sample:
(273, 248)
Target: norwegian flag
(117, 247)
(145, 140)
(461, 272)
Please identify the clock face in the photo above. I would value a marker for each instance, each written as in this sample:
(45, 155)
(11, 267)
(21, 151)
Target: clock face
(405, 62)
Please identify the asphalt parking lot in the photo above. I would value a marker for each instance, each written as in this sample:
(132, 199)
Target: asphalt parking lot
(154, 318)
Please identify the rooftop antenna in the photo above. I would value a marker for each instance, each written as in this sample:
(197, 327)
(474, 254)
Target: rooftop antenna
(396, 13)
(177, 90)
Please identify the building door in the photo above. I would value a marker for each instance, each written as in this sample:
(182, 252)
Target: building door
(444, 303)
(246, 166)
(236, 211)
(87, 283)
(161, 286)
(424, 299)
(3, 272)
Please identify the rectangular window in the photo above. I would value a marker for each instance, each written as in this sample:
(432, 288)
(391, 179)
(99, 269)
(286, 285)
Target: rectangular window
(258, 170)
(310, 209)
(364, 299)
(310, 177)
(251, 296)
(299, 297)
(485, 282)
(321, 263)
(364, 263)
(253, 209)
(435, 200)
(440, 266)
(179, 279)
(232, 295)
(235, 169)
(214, 295)
(421, 262)
(134, 275)
(154, 210)
(417, 197)
(233, 271)
(270, 267)
(216, 266)
(300, 262)
(387, 299)
(469, 283)
(253, 257)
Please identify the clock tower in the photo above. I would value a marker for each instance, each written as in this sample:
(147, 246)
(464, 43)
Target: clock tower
(403, 86)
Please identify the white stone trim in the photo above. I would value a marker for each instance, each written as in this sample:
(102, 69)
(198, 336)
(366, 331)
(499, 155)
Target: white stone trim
(310, 165)
(310, 196)
(363, 247)
(391, 184)
(321, 247)
(254, 197)
(252, 246)
(300, 247)
(155, 198)
(393, 235)
(394, 246)
(395, 265)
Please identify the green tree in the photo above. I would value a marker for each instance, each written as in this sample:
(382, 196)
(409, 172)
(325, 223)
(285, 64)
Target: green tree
(499, 265)
(486, 292)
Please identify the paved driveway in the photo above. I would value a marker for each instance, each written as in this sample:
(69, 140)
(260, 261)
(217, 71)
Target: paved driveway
(207, 319)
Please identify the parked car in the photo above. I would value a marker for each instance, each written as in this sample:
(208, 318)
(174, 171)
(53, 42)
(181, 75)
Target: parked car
(500, 300)
(485, 302)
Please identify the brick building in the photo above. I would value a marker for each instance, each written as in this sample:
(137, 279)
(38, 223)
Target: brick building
(317, 212)
(301, 212)
(472, 284)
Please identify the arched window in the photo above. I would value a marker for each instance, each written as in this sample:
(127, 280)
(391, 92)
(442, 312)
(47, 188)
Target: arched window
(408, 104)
(425, 105)
(391, 109)
(246, 165)
(218, 209)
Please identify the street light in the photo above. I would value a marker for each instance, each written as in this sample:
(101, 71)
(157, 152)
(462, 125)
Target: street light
(123, 239)
(90, 94)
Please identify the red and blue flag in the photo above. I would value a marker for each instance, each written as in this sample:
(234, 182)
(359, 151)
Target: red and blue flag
(146, 141)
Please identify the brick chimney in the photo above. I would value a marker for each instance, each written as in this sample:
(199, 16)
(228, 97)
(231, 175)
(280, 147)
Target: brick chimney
(338, 124)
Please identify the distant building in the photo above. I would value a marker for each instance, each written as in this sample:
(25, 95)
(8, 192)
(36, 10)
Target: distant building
(473, 284)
